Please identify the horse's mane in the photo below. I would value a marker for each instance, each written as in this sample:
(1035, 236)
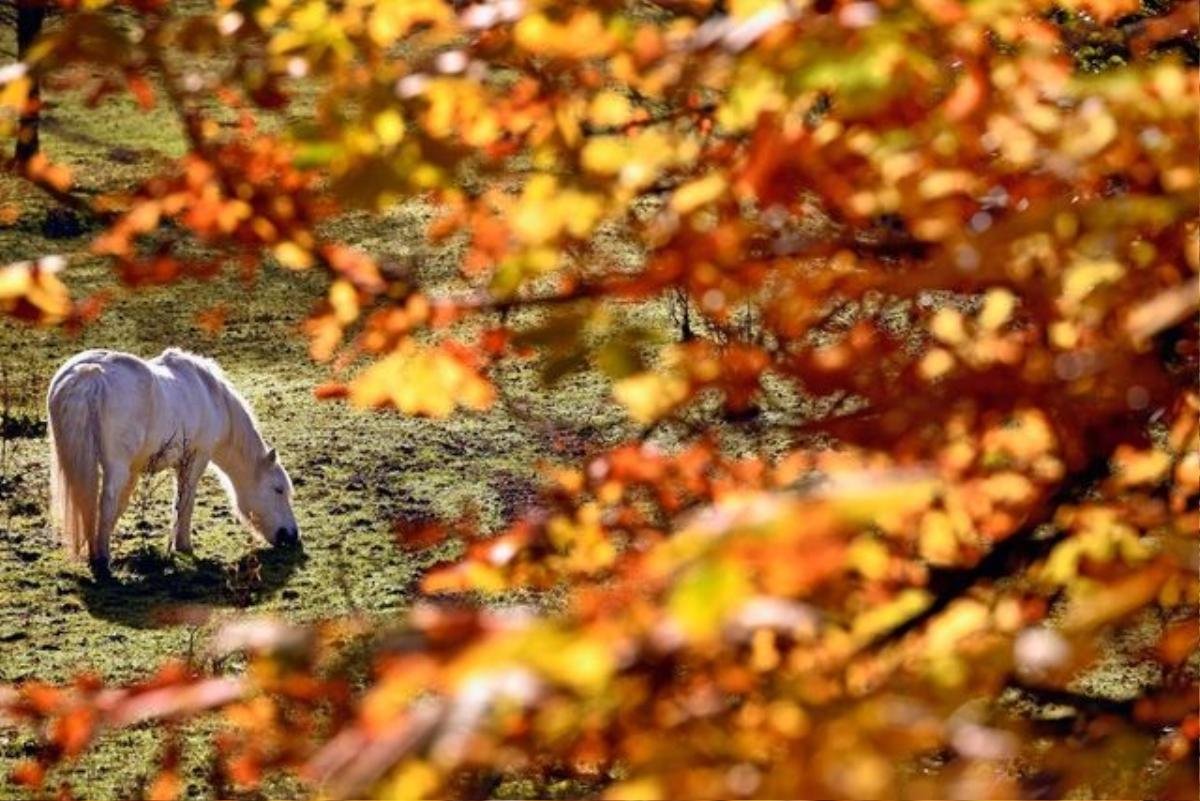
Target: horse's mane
(247, 439)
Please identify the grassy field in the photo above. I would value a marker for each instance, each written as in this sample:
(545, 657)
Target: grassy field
(357, 474)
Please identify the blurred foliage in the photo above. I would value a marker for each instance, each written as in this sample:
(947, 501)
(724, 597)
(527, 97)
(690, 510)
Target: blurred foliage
(880, 610)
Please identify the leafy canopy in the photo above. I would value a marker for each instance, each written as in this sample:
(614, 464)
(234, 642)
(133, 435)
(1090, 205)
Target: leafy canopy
(967, 231)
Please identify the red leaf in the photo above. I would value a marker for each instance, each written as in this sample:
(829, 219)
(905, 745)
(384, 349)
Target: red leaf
(331, 390)
(141, 90)
(29, 774)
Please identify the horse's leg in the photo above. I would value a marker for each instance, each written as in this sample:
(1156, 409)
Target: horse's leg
(114, 495)
(187, 477)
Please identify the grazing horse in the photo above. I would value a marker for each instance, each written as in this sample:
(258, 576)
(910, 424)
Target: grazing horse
(114, 416)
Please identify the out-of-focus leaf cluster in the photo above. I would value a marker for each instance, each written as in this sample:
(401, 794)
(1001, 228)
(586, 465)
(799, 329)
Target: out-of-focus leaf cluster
(969, 239)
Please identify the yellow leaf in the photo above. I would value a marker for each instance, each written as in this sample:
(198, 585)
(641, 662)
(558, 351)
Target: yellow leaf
(421, 380)
(581, 36)
(604, 155)
(343, 297)
(998, 305)
(582, 211)
(1136, 468)
(414, 779)
(389, 127)
(15, 280)
(649, 396)
(697, 193)
(293, 256)
(938, 543)
(962, 619)
(1092, 130)
(392, 19)
(742, 9)
(534, 32)
(946, 182)
(542, 210)
(884, 617)
(757, 90)
(15, 94)
(1092, 606)
(1009, 487)
(51, 296)
(705, 595)
(764, 655)
(936, 363)
(568, 115)
(868, 497)
(585, 664)
(582, 540)
(1085, 276)
(1099, 536)
(947, 326)
(610, 109)
(646, 789)
(869, 557)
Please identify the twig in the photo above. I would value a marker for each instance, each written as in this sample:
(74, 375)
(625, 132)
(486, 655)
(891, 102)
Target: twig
(1086, 704)
(705, 110)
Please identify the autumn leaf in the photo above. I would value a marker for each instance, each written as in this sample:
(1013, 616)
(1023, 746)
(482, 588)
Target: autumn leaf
(899, 299)
(416, 379)
(212, 320)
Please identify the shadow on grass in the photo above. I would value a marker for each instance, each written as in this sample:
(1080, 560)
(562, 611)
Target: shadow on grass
(153, 589)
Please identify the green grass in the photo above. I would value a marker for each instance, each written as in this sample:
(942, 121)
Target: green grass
(357, 474)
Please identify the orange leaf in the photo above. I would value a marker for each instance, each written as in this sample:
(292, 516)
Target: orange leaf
(165, 787)
(42, 697)
(420, 535)
(212, 319)
(331, 390)
(1179, 642)
(966, 96)
(28, 774)
(73, 731)
(141, 90)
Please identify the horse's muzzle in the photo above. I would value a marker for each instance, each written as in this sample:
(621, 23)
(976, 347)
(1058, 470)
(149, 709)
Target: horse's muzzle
(287, 538)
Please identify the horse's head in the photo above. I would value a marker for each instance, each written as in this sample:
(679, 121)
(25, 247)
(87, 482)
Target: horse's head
(267, 503)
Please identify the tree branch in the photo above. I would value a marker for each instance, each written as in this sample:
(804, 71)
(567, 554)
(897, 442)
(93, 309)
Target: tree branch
(1020, 549)
(1085, 704)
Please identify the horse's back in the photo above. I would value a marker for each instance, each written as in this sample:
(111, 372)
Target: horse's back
(189, 377)
(177, 360)
(113, 367)
(174, 380)
(171, 364)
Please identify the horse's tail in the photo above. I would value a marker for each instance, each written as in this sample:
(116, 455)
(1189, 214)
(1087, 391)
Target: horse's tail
(75, 454)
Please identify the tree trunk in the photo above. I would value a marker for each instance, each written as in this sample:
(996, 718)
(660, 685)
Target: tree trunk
(30, 16)
(685, 316)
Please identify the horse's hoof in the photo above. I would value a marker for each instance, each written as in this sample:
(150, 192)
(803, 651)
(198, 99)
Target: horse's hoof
(100, 569)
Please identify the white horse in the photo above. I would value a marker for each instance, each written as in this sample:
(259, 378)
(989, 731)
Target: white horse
(114, 417)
